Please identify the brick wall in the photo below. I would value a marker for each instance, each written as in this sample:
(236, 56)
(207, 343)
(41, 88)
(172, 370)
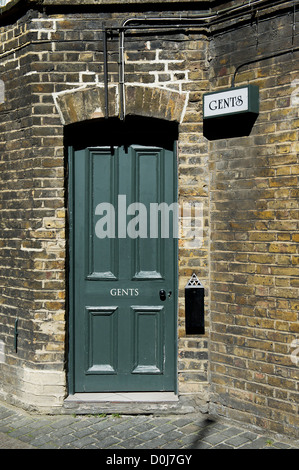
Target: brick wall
(32, 223)
(254, 234)
(65, 54)
(248, 260)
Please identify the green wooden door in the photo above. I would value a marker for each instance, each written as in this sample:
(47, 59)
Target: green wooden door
(123, 253)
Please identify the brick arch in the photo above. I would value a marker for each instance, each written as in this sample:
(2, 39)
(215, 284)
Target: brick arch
(88, 102)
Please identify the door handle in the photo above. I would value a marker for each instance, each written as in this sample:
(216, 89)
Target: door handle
(162, 294)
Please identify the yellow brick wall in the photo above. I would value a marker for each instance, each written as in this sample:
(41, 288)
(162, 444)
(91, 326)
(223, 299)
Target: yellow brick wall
(254, 235)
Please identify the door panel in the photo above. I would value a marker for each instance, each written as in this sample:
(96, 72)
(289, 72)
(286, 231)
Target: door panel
(149, 190)
(148, 340)
(102, 179)
(101, 340)
(123, 334)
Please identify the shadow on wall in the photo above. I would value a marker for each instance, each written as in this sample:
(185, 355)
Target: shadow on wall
(229, 126)
(136, 130)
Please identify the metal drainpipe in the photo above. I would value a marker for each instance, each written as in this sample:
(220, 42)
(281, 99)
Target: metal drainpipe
(106, 73)
(122, 98)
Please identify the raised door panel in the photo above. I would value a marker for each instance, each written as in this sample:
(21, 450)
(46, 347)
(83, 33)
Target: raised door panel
(101, 340)
(148, 178)
(148, 340)
(102, 180)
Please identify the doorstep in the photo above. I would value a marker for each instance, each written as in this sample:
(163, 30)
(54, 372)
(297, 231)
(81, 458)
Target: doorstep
(122, 403)
(123, 397)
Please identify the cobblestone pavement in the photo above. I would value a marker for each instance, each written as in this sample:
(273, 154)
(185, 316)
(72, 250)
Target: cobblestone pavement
(22, 430)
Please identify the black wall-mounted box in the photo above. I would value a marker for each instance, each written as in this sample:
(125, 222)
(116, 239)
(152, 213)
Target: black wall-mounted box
(194, 307)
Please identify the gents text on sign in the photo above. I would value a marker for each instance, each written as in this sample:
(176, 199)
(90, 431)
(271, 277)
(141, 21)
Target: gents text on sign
(231, 101)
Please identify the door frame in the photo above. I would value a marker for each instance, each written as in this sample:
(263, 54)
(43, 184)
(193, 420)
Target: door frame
(70, 274)
(70, 336)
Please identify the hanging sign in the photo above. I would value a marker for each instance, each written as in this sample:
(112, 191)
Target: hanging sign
(232, 101)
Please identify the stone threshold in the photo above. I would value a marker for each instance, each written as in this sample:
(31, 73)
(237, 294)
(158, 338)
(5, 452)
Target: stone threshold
(124, 403)
(124, 397)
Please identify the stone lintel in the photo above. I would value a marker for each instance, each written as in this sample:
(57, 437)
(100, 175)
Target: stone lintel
(88, 102)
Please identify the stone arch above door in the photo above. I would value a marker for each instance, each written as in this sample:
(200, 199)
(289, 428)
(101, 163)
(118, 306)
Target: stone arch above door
(88, 102)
